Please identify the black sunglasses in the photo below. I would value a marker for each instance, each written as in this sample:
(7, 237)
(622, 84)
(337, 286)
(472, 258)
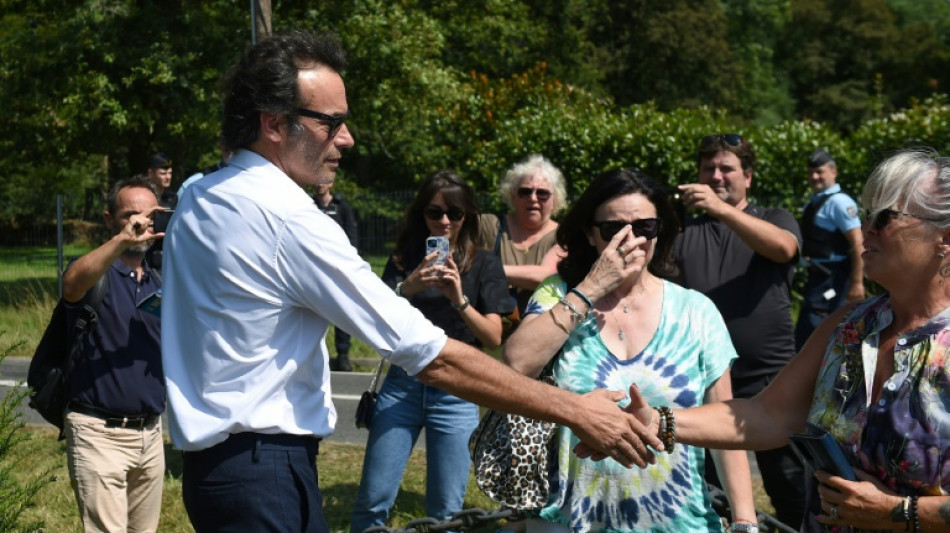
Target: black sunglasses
(645, 227)
(543, 194)
(882, 218)
(335, 122)
(434, 212)
(732, 139)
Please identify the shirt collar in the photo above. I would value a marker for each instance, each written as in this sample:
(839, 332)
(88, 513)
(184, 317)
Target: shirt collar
(836, 188)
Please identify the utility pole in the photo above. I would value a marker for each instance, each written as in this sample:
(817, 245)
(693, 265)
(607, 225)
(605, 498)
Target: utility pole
(260, 19)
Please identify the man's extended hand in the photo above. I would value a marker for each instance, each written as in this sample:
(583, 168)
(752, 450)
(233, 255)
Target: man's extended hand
(626, 438)
(698, 196)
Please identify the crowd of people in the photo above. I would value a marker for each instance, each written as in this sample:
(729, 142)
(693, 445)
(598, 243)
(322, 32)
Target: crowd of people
(672, 340)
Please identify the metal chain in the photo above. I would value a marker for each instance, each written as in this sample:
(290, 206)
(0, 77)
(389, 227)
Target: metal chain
(473, 518)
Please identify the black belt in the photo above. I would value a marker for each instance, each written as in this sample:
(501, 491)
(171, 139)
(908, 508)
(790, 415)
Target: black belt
(115, 420)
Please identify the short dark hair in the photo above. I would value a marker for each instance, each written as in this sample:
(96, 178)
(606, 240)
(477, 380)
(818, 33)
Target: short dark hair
(711, 145)
(410, 245)
(572, 232)
(138, 180)
(264, 80)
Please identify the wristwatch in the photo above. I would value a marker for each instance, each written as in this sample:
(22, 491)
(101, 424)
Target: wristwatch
(461, 307)
(743, 527)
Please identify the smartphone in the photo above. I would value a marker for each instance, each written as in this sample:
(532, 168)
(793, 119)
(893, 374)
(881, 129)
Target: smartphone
(160, 220)
(440, 245)
(821, 451)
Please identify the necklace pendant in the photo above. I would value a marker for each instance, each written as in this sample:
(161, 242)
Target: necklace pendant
(620, 335)
(626, 309)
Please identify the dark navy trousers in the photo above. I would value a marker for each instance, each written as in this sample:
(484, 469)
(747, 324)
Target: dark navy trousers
(254, 482)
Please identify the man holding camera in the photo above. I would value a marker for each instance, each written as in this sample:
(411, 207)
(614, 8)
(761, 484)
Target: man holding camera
(116, 388)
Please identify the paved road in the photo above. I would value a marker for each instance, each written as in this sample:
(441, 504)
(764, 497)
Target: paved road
(347, 389)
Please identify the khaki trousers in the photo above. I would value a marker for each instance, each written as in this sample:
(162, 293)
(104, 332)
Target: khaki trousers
(116, 474)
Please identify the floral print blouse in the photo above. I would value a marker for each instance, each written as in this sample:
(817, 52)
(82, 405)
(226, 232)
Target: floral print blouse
(904, 437)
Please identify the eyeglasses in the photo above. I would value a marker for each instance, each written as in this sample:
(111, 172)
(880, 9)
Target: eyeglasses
(434, 212)
(335, 122)
(883, 217)
(732, 139)
(543, 194)
(645, 227)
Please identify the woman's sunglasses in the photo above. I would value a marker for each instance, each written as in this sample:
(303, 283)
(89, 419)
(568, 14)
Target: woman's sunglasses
(434, 212)
(882, 218)
(543, 194)
(645, 227)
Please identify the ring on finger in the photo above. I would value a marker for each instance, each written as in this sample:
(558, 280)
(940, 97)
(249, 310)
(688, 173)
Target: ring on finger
(834, 512)
(621, 250)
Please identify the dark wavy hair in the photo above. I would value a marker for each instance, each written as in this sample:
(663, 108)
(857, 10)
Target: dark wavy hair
(410, 245)
(573, 230)
(264, 80)
(711, 145)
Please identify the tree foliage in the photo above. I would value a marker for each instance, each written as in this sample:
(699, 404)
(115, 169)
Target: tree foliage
(90, 87)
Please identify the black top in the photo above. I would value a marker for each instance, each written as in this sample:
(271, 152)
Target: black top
(751, 292)
(485, 285)
(341, 212)
(818, 242)
(120, 369)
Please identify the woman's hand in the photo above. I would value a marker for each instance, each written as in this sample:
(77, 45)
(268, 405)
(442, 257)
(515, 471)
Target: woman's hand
(424, 276)
(451, 281)
(865, 504)
(615, 265)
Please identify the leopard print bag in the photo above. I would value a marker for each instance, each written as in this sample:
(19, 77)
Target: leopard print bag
(511, 454)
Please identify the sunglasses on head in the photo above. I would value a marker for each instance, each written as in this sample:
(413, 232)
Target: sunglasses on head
(334, 122)
(434, 212)
(732, 139)
(645, 227)
(882, 218)
(543, 194)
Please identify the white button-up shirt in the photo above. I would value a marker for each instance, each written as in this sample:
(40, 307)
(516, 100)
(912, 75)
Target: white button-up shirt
(254, 275)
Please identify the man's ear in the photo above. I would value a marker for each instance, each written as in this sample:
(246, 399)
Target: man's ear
(271, 126)
(107, 219)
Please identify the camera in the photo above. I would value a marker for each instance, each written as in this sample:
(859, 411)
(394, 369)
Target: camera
(160, 220)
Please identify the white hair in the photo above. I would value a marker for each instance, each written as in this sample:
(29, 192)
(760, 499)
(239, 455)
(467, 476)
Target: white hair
(916, 181)
(534, 165)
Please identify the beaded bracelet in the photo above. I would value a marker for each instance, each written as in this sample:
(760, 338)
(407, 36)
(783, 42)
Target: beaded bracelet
(914, 517)
(576, 315)
(667, 428)
(582, 296)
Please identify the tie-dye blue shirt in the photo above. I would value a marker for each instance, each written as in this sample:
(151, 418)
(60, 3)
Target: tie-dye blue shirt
(689, 352)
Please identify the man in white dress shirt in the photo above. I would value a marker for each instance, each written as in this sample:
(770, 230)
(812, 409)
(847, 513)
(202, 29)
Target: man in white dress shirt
(256, 274)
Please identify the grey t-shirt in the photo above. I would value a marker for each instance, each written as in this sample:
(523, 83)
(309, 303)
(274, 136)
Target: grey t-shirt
(752, 292)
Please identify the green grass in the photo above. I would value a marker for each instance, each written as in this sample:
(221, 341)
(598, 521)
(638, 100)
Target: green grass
(339, 465)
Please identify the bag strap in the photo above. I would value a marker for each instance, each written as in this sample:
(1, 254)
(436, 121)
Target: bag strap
(502, 228)
(88, 317)
(379, 371)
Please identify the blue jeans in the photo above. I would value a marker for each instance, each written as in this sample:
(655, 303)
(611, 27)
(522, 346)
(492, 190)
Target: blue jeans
(404, 407)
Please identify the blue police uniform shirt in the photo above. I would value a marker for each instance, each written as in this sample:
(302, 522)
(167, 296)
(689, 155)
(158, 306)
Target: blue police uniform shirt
(120, 368)
(839, 213)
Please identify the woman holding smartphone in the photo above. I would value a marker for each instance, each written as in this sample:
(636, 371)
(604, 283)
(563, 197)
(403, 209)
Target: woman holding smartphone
(466, 297)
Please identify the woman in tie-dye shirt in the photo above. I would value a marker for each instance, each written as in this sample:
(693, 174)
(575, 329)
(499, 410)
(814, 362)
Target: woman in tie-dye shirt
(616, 322)
(875, 374)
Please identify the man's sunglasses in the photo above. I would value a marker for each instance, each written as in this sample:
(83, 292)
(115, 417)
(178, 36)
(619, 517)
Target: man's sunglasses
(645, 227)
(335, 122)
(434, 212)
(543, 194)
(732, 139)
(882, 218)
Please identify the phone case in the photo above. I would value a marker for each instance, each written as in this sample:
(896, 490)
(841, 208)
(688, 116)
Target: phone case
(152, 304)
(438, 244)
(821, 451)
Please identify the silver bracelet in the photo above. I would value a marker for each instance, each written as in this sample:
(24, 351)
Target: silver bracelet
(576, 316)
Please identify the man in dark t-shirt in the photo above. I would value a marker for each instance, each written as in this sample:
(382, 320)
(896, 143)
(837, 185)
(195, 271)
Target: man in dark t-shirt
(742, 257)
